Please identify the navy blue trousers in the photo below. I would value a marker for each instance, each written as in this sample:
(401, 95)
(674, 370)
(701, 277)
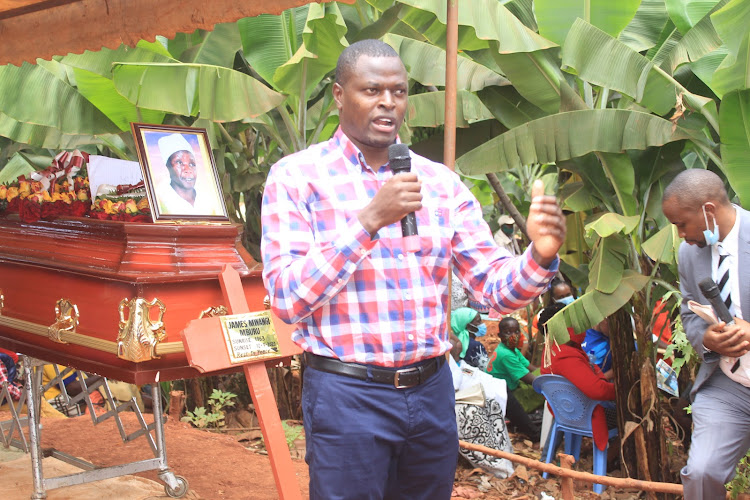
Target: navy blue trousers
(371, 441)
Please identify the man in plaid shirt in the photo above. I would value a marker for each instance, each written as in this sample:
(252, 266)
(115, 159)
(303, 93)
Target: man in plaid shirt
(378, 399)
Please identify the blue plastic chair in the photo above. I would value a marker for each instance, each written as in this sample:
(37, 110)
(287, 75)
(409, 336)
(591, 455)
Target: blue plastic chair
(573, 410)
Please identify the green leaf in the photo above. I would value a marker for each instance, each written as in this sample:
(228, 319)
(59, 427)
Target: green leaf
(32, 95)
(212, 92)
(426, 64)
(270, 41)
(508, 106)
(428, 109)
(577, 198)
(535, 75)
(644, 29)
(102, 94)
(607, 264)
(734, 71)
(686, 13)
(218, 47)
(664, 245)
(324, 40)
(555, 17)
(17, 166)
(594, 306)
(45, 137)
(735, 141)
(100, 62)
(569, 135)
(731, 22)
(488, 19)
(609, 223)
(620, 172)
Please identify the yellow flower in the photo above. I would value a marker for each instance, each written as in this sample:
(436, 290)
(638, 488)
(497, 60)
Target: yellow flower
(36, 186)
(106, 205)
(143, 203)
(118, 206)
(3, 191)
(130, 206)
(12, 193)
(46, 196)
(82, 195)
(24, 189)
(37, 197)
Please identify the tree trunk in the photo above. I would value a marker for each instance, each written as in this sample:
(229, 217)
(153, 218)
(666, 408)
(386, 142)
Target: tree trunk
(644, 452)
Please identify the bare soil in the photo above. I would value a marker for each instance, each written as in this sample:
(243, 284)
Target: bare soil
(232, 465)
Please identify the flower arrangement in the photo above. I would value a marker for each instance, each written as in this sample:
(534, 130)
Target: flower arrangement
(63, 190)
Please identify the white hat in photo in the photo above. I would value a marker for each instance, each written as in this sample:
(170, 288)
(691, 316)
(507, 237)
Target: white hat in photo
(170, 144)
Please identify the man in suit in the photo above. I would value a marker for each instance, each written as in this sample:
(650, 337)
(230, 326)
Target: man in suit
(696, 202)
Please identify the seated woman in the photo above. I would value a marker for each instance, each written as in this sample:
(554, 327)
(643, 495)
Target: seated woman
(570, 361)
(507, 363)
(467, 325)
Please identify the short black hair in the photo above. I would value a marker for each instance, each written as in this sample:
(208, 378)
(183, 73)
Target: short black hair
(350, 55)
(506, 324)
(693, 187)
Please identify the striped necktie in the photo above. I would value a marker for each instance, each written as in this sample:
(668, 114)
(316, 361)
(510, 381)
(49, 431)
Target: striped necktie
(725, 285)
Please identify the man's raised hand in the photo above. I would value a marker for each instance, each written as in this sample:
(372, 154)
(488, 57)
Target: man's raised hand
(545, 225)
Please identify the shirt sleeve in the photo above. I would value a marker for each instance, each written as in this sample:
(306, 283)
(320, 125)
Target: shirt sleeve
(302, 274)
(13, 389)
(496, 278)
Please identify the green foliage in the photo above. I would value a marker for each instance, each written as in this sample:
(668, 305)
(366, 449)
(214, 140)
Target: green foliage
(741, 481)
(213, 418)
(292, 433)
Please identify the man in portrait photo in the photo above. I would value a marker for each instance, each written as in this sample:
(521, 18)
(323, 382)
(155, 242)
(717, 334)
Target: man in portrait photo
(181, 196)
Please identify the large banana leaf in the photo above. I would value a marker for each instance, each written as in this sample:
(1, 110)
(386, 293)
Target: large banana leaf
(570, 135)
(428, 109)
(270, 41)
(323, 38)
(735, 141)
(607, 224)
(101, 92)
(218, 47)
(608, 264)
(489, 19)
(508, 106)
(33, 95)
(426, 64)
(594, 306)
(686, 13)
(17, 166)
(732, 23)
(620, 172)
(644, 29)
(42, 136)
(602, 60)
(212, 92)
(101, 61)
(555, 17)
(664, 245)
(536, 76)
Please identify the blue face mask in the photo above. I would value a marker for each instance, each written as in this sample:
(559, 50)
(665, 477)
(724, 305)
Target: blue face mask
(566, 300)
(712, 237)
(481, 330)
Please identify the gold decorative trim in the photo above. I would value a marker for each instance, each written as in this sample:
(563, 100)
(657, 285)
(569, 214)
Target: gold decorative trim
(79, 339)
(66, 321)
(139, 334)
(213, 311)
(2, 301)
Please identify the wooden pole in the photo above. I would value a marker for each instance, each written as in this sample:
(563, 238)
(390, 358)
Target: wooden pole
(451, 64)
(616, 482)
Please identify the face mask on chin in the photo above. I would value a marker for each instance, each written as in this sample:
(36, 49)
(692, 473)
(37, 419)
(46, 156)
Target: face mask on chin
(712, 237)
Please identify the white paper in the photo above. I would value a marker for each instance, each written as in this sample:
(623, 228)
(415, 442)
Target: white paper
(104, 170)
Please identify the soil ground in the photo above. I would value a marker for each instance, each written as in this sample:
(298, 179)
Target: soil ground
(233, 466)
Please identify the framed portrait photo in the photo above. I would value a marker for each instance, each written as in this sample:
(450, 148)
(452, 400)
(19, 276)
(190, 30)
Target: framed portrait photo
(179, 173)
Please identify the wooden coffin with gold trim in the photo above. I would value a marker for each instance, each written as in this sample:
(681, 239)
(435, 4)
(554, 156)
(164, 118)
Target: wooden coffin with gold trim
(112, 297)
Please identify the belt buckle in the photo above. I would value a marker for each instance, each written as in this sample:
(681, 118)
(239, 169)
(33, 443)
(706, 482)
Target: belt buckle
(396, 381)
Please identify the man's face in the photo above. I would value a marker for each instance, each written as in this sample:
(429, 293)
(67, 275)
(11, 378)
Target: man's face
(689, 222)
(182, 169)
(372, 102)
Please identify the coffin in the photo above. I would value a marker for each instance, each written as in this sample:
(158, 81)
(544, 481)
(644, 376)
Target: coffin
(106, 270)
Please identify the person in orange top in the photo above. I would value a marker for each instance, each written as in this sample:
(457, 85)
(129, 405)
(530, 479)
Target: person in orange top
(571, 362)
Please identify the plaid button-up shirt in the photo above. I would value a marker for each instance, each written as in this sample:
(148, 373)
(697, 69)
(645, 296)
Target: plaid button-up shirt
(363, 299)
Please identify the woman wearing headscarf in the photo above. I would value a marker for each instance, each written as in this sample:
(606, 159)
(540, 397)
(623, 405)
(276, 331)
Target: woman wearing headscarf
(467, 325)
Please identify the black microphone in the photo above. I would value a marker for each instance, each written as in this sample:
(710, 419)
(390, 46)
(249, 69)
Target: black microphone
(400, 163)
(711, 292)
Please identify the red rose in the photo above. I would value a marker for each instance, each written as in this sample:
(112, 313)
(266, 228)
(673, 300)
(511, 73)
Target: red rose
(14, 205)
(79, 208)
(29, 211)
(98, 215)
(140, 218)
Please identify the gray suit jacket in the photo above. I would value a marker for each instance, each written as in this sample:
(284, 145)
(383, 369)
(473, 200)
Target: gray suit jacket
(695, 265)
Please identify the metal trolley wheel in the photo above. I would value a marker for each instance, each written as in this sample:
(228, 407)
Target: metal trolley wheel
(180, 491)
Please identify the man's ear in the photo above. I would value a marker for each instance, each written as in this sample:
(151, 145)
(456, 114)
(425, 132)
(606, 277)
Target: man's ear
(710, 208)
(338, 92)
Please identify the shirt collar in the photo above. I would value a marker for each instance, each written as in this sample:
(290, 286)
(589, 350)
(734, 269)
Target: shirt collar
(351, 152)
(730, 243)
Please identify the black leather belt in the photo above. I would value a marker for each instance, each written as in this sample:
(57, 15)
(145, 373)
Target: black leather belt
(400, 378)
